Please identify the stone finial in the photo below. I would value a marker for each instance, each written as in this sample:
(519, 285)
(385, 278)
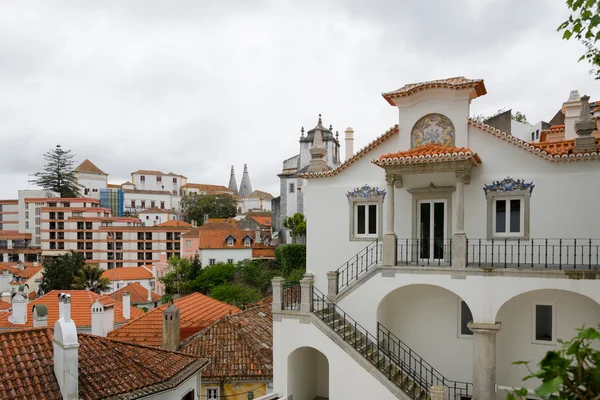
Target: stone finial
(302, 132)
(317, 152)
(331, 127)
(585, 125)
(574, 95)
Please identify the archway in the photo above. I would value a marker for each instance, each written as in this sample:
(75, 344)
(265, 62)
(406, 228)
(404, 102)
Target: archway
(431, 321)
(531, 324)
(308, 374)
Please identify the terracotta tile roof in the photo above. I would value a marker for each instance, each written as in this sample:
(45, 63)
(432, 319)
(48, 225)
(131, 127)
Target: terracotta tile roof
(192, 232)
(29, 272)
(137, 294)
(264, 252)
(388, 134)
(196, 312)
(147, 172)
(218, 226)
(107, 368)
(7, 201)
(88, 167)
(555, 132)
(215, 235)
(81, 311)
(174, 223)
(265, 221)
(239, 347)
(258, 194)
(210, 189)
(542, 150)
(426, 154)
(4, 305)
(127, 274)
(9, 268)
(126, 183)
(560, 148)
(459, 82)
(174, 174)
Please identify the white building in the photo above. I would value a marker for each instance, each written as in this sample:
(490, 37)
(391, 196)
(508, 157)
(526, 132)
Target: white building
(156, 216)
(461, 249)
(91, 179)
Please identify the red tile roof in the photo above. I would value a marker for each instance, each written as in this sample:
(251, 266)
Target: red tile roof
(265, 221)
(137, 294)
(196, 312)
(147, 172)
(107, 368)
(127, 274)
(459, 82)
(215, 235)
(28, 272)
(426, 154)
(88, 167)
(239, 347)
(259, 194)
(4, 305)
(81, 310)
(175, 223)
(210, 189)
(9, 268)
(560, 148)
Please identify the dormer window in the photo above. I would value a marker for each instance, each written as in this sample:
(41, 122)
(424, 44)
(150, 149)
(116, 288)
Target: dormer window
(247, 241)
(230, 241)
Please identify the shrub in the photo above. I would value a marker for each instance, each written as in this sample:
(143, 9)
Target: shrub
(213, 275)
(295, 276)
(236, 295)
(291, 256)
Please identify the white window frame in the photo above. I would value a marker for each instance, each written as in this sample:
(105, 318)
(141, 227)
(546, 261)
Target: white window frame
(212, 261)
(231, 241)
(459, 313)
(230, 261)
(247, 242)
(212, 388)
(366, 235)
(534, 319)
(188, 244)
(492, 198)
(508, 200)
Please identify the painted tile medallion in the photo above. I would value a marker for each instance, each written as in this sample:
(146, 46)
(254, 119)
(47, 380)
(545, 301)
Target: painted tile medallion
(432, 128)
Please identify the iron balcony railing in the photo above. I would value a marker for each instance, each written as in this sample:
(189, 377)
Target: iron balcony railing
(424, 252)
(534, 253)
(358, 265)
(409, 360)
(292, 295)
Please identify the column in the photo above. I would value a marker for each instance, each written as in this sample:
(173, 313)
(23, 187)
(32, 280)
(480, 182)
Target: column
(484, 360)
(459, 238)
(277, 283)
(306, 285)
(332, 285)
(389, 236)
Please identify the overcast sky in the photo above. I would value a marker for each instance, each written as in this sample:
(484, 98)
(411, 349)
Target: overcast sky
(194, 86)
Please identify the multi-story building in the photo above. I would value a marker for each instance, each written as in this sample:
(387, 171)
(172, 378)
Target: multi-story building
(461, 249)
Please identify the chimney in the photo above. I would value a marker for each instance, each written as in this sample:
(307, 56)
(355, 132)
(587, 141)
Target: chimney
(126, 305)
(170, 328)
(205, 218)
(163, 258)
(572, 111)
(40, 315)
(5, 279)
(349, 141)
(103, 318)
(149, 293)
(257, 238)
(65, 345)
(584, 142)
(19, 307)
(317, 152)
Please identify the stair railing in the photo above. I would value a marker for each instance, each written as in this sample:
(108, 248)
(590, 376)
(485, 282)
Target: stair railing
(411, 361)
(358, 265)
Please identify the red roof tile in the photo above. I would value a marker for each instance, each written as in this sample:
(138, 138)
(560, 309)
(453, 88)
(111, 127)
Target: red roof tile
(137, 294)
(127, 274)
(459, 82)
(196, 311)
(210, 189)
(175, 223)
(9, 268)
(88, 167)
(265, 221)
(428, 153)
(4, 305)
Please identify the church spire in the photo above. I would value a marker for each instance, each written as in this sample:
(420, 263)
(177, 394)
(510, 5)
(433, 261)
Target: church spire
(246, 186)
(232, 182)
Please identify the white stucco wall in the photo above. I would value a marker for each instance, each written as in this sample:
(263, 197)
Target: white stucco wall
(221, 255)
(91, 182)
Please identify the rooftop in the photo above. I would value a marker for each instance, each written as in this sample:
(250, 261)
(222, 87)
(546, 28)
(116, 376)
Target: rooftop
(88, 167)
(127, 274)
(428, 153)
(137, 294)
(211, 189)
(174, 223)
(459, 82)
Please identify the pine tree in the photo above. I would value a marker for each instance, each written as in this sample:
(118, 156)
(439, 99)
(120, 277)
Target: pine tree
(58, 174)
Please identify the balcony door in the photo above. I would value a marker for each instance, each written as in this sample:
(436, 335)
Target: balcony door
(431, 226)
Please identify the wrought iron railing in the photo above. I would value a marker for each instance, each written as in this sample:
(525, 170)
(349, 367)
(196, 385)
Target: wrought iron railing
(292, 295)
(409, 360)
(534, 253)
(358, 265)
(424, 252)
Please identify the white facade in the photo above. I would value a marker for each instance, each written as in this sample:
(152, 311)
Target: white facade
(213, 256)
(434, 228)
(152, 217)
(91, 184)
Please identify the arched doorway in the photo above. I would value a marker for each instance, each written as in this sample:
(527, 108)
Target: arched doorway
(531, 324)
(432, 322)
(308, 374)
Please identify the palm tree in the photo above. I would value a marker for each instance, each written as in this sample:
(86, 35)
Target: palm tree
(90, 278)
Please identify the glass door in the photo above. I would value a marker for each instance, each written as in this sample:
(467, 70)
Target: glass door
(432, 229)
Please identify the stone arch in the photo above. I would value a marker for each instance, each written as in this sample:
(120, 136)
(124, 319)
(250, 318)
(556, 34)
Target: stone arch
(308, 374)
(433, 128)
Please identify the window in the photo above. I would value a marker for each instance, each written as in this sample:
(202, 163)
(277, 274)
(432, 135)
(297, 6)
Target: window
(292, 188)
(247, 241)
(174, 180)
(366, 216)
(508, 211)
(26, 214)
(152, 204)
(158, 179)
(212, 261)
(365, 220)
(532, 136)
(188, 244)
(147, 217)
(544, 323)
(143, 204)
(132, 203)
(26, 224)
(508, 217)
(162, 205)
(464, 317)
(537, 134)
(212, 393)
(230, 261)
(142, 178)
(231, 241)
(189, 395)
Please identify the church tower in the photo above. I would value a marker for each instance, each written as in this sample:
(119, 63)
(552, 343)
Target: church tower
(246, 186)
(232, 182)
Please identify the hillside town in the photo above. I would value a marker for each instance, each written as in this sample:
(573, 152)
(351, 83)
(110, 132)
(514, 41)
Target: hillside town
(446, 250)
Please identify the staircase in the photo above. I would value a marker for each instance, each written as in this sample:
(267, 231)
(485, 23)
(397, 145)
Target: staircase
(403, 367)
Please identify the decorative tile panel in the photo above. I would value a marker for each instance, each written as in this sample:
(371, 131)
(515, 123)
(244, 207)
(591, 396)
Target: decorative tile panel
(432, 129)
(508, 185)
(366, 192)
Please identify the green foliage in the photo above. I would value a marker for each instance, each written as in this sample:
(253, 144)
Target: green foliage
(181, 275)
(90, 278)
(235, 294)
(259, 275)
(290, 257)
(212, 276)
(59, 272)
(516, 116)
(58, 175)
(295, 275)
(296, 224)
(584, 25)
(570, 373)
(195, 206)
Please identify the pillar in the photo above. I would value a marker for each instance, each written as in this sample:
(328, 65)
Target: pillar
(332, 285)
(484, 360)
(459, 238)
(389, 236)
(306, 285)
(277, 305)
(437, 392)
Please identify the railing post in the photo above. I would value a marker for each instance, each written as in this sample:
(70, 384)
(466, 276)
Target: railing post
(459, 250)
(437, 392)
(389, 237)
(332, 285)
(306, 285)
(277, 283)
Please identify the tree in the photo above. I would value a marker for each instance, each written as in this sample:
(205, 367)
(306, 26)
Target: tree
(90, 278)
(572, 372)
(516, 116)
(236, 295)
(182, 272)
(58, 174)
(296, 224)
(584, 25)
(212, 276)
(59, 273)
(195, 206)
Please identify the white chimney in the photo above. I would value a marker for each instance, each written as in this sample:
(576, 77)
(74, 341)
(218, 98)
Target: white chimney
(126, 305)
(572, 110)
(149, 294)
(65, 345)
(5, 279)
(257, 238)
(19, 308)
(349, 141)
(103, 318)
(40, 315)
